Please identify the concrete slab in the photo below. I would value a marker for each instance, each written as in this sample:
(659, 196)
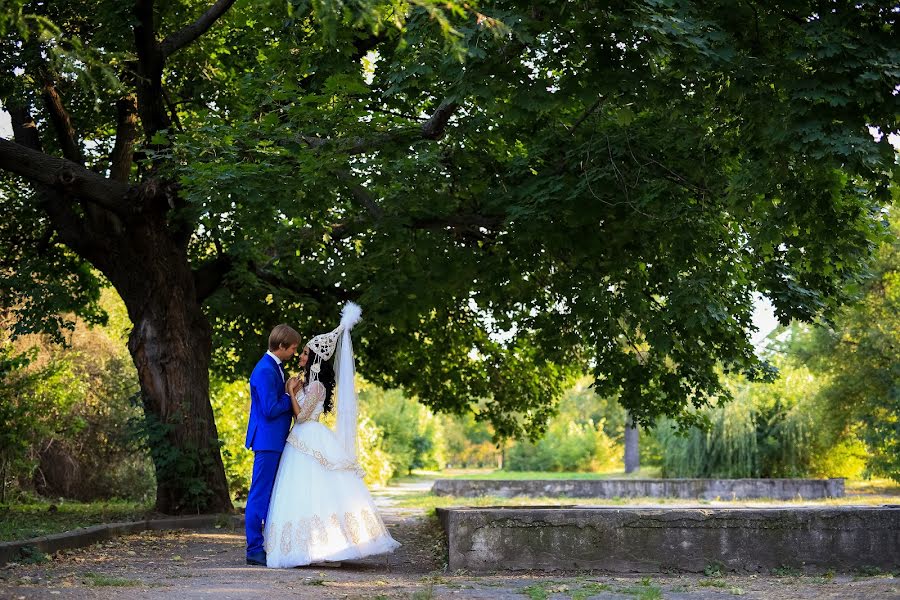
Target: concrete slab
(630, 539)
(708, 489)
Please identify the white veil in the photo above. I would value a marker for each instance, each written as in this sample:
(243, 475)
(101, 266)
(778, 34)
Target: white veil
(345, 374)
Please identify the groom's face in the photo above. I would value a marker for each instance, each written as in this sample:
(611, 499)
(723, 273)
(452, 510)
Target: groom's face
(285, 352)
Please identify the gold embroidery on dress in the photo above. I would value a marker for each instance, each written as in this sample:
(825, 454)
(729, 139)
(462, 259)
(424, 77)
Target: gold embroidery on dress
(352, 527)
(318, 534)
(301, 535)
(374, 528)
(309, 401)
(286, 538)
(309, 536)
(337, 527)
(322, 459)
(268, 542)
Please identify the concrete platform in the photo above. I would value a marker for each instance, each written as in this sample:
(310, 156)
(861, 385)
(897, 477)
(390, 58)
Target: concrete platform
(654, 539)
(709, 489)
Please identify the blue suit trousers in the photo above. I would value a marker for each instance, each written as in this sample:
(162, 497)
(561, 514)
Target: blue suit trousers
(265, 467)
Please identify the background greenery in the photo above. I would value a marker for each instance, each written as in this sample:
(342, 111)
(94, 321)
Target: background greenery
(70, 427)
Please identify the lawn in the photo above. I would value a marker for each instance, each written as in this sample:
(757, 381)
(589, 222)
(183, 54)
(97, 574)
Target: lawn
(499, 474)
(409, 495)
(24, 521)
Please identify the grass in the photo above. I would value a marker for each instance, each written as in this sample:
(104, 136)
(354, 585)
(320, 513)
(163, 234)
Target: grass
(426, 594)
(499, 474)
(542, 591)
(25, 521)
(786, 571)
(871, 492)
(590, 589)
(645, 591)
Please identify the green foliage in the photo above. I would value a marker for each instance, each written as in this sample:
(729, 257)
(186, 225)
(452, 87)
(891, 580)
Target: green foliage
(29, 518)
(468, 442)
(576, 438)
(858, 356)
(410, 434)
(620, 248)
(18, 415)
(602, 187)
(65, 414)
(231, 407)
(778, 429)
(101, 580)
(373, 457)
(185, 463)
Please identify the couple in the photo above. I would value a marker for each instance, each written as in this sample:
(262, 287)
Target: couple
(307, 502)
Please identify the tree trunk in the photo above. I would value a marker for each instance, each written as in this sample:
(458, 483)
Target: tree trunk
(632, 450)
(171, 345)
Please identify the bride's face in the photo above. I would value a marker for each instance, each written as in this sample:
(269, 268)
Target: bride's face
(304, 356)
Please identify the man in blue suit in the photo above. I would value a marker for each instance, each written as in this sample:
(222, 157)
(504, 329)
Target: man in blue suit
(267, 430)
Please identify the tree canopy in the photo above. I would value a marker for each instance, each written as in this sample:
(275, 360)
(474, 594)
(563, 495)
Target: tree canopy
(509, 188)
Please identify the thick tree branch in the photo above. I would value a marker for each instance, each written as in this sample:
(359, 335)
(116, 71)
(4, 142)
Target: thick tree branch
(144, 29)
(434, 128)
(178, 40)
(361, 195)
(294, 285)
(154, 116)
(458, 221)
(24, 128)
(208, 276)
(63, 218)
(586, 115)
(126, 135)
(62, 122)
(63, 175)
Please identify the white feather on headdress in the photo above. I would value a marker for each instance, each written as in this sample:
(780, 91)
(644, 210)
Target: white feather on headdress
(350, 315)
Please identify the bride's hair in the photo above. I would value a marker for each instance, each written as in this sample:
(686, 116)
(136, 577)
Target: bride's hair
(326, 377)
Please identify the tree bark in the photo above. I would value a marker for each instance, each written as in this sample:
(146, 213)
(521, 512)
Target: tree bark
(132, 235)
(632, 450)
(171, 345)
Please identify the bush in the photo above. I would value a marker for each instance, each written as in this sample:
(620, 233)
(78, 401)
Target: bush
(782, 429)
(231, 407)
(411, 436)
(468, 443)
(69, 410)
(576, 438)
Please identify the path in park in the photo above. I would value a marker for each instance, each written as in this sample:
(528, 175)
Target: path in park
(210, 564)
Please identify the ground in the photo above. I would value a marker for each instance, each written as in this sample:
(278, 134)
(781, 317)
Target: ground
(210, 563)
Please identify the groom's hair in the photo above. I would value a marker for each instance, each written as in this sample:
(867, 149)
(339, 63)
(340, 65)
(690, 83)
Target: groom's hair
(283, 336)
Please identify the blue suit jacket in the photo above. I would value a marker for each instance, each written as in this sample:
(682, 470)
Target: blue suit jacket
(270, 408)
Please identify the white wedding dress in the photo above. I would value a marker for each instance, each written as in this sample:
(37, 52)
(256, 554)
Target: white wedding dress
(320, 508)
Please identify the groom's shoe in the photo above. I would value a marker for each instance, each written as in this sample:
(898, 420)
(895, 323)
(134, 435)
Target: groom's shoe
(258, 559)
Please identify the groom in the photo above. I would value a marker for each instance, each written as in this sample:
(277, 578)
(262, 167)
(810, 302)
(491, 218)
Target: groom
(267, 430)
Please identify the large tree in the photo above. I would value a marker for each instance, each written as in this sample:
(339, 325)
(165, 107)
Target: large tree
(509, 188)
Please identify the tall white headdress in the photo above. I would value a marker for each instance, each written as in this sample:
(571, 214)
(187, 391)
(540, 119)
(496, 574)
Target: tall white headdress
(337, 343)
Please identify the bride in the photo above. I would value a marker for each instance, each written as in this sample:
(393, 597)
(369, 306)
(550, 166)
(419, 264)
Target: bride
(321, 510)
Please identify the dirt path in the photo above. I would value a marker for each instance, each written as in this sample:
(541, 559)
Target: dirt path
(210, 564)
